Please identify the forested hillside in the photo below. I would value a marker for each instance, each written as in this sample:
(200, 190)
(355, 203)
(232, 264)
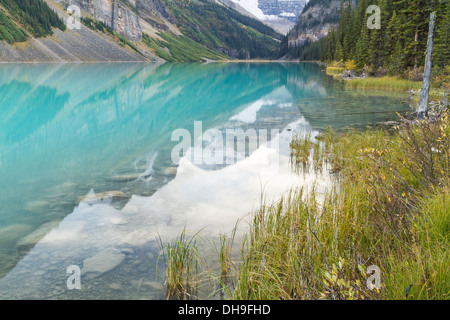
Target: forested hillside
(224, 30)
(9, 31)
(34, 15)
(399, 45)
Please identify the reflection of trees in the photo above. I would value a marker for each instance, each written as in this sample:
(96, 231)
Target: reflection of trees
(307, 81)
(340, 109)
(26, 108)
(323, 102)
(111, 113)
(84, 123)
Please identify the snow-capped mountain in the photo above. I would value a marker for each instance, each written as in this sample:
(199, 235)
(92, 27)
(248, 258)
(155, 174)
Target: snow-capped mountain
(282, 15)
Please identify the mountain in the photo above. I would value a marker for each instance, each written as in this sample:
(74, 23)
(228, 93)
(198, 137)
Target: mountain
(281, 15)
(317, 19)
(35, 31)
(288, 9)
(398, 47)
(132, 30)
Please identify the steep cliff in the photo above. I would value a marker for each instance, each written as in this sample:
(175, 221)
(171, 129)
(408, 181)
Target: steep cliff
(114, 13)
(78, 45)
(317, 19)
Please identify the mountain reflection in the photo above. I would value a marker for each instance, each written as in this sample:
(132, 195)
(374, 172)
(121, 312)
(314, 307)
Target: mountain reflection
(67, 129)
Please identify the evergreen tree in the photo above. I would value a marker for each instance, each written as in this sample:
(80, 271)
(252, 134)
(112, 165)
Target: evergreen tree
(362, 54)
(339, 53)
(347, 31)
(415, 14)
(361, 15)
(329, 47)
(392, 34)
(397, 59)
(384, 50)
(399, 45)
(441, 52)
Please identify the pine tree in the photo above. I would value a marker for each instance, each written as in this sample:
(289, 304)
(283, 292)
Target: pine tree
(339, 53)
(392, 34)
(362, 54)
(329, 47)
(361, 15)
(415, 14)
(441, 53)
(397, 59)
(399, 45)
(347, 40)
(384, 50)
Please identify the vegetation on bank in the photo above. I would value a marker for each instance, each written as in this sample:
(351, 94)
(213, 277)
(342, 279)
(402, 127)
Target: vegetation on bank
(223, 30)
(209, 31)
(9, 31)
(440, 81)
(398, 48)
(34, 15)
(384, 83)
(180, 48)
(102, 27)
(389, 207)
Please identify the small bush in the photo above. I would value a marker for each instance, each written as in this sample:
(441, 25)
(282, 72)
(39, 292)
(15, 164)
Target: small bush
(350, 65)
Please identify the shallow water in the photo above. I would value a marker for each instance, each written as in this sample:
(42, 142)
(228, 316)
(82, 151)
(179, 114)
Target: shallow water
(87, 175)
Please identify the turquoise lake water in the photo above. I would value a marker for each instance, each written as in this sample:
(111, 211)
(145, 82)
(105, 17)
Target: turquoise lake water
(87, 175)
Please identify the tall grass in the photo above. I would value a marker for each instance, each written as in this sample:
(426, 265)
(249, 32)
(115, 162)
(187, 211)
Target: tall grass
(384, 83)
(389, 207)
(387, 83)
(182, 260)
(335, 70)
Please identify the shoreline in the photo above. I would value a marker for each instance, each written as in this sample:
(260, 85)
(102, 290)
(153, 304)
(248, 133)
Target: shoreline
(384, 83)
(331, 260)
(163, 61)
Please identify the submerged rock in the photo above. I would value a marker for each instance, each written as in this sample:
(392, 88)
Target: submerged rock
(116, 286)
(152, 286)
(126, 177)
(10, 234)
(31, 239)
(102, 262)
(170, 171)
(92, 197)
(37, 205)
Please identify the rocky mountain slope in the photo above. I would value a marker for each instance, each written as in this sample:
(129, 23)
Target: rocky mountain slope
(77, 45)
(317, 19)
(142, 30)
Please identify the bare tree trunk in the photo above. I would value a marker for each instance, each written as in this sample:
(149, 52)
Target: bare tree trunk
(423, 104)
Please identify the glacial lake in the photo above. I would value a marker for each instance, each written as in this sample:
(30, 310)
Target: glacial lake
(99, 161)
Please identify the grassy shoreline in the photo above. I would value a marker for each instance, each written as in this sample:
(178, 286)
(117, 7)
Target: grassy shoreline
(389, 83)
(389, 207)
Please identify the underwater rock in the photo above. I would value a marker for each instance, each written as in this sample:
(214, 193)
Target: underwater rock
(126, 177)
(37, 205)
(31, 239)
(102, 262)
(92, 198)
(10, 234)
